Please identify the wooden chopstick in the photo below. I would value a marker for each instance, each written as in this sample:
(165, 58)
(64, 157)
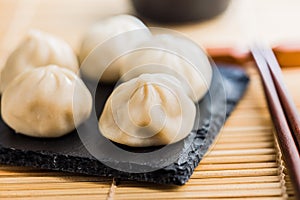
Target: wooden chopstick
(285, 98)
(284, 135)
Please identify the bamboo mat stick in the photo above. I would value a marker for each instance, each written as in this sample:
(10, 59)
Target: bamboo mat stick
(251, 112)
(210, 181)
(240, 134)
(53, 186)
(236, 180)
(252, 128)
(248, 123)
(231, 198)
(20, 169)
(238, 159)
(244, 139)
(211, 167)
(201, 194)
(219, 187)
(97, 197)
(53, 192)
(213, 181)
(57, 179)
(62, 197)
(244, 146)
(263, 151)
(30, 173)
(236, 173)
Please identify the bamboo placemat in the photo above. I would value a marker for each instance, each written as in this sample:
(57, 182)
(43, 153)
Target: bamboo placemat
(244, 162)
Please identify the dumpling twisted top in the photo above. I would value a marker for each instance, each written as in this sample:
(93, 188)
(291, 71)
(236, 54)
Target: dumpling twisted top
(38, 49)
(150, 110)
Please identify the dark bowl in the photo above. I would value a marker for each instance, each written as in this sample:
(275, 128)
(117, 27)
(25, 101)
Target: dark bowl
(179, 10)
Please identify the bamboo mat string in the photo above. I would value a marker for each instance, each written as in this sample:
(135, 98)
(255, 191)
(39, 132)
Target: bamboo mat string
(112, 189)
(281, 168)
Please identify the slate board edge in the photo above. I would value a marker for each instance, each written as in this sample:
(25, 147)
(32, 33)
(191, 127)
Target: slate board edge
(57, 162)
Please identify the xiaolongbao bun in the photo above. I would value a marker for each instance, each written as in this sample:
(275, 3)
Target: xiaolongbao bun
(126, 31)
(150, 110)
(40, 102)
(172, 55)
(38, 49)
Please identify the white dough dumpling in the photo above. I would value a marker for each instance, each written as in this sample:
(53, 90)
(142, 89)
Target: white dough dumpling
(173, 55)
(38, 49)
(150, 110)
(115, 35)
(39, 102)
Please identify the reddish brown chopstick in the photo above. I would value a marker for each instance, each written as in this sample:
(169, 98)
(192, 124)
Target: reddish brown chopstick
(285, 98)
(284, 135)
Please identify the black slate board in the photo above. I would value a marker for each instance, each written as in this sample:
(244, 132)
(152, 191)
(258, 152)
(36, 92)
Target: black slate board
(69, 154)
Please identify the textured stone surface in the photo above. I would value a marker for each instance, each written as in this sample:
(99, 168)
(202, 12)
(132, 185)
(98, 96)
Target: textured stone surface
(68, 153)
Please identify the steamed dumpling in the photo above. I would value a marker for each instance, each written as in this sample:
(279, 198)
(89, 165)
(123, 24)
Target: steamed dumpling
(40, 102)
(38, 49)
(150, 110)
(127, 32)
(172, 55)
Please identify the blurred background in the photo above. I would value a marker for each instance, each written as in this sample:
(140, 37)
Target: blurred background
(243, 22)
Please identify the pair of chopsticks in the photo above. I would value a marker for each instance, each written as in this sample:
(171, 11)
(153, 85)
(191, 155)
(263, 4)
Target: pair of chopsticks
(283, 111)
